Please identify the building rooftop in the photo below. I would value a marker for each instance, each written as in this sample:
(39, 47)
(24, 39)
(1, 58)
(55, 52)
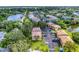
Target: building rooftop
(66, 17)
(36, 31)
(33, 17)
(51, 17)
(76, 13)
(62, 33)
(53, 25)
(63, 37)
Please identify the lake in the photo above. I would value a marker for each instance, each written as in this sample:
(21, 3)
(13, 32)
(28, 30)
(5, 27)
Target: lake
(17, 17)
(74, 28)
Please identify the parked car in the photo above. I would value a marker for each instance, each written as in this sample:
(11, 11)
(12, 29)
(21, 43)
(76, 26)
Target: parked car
(45, 35)
(54, 40)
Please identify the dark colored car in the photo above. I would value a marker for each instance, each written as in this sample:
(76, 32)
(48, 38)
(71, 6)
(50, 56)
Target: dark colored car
(45, 35)
(54, 40)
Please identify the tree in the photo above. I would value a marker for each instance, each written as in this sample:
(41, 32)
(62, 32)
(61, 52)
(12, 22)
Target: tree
(9, 25)
(62, 24)
(5, 43)
(42, 24)
(20, 46)
(26, 27)
(71, 47)
(11, 37)
(15, 34)
(39, 24)
(67, 21)
(76, 37)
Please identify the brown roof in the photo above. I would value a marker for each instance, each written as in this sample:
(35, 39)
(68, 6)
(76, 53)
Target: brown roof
(53, 25)
(63, 37)
(62, 33)
(36, 31)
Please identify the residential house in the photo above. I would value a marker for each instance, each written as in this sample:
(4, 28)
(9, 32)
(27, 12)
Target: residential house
(75, 18)
(66, 18)
(76, 13)
(54, 26)
(33, 17)
(36, 33)
(51, 18)
(63, 37)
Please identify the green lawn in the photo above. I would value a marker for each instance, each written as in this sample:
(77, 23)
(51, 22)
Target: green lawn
(39, 45)
(69, 33)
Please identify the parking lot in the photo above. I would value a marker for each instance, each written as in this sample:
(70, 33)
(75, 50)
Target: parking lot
(50, 38)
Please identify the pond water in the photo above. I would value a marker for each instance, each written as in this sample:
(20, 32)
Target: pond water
(15, 17)
(74, 28)
(2, 34)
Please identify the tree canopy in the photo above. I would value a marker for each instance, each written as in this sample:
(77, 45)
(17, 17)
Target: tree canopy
(20, 46)
(76, 37)
(11, 37)
(71, 47)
